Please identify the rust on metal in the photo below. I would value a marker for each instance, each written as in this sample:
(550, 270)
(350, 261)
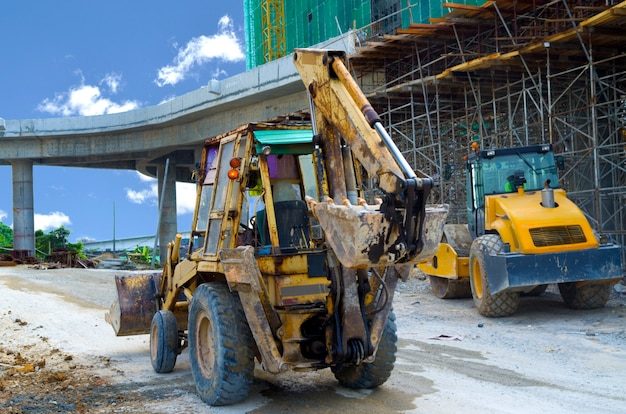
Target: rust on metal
(361, 236)
(136, 304)
(243, 275)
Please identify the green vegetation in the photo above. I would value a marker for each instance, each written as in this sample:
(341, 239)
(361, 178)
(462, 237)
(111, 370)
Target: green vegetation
(56, 239)
(6, 236)
(141, 255)
(45, 243)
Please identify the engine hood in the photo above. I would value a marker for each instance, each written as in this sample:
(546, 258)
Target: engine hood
(529, 227)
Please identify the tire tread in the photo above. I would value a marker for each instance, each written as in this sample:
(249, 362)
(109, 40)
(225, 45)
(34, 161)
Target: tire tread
(376, 373)
(585, 296)
(167, 343)
(490, 305)
(234, 346)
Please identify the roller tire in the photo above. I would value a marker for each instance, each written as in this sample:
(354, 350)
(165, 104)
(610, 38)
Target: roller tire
(445, 288)
(490, 305)
(163, 341)
(374, 374)
(585, 296)
(221, 346)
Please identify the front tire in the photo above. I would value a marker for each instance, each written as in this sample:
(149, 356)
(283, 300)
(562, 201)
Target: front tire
(490, 305)
(374, 374)
(163, 341)
(580, 295)
(221, 347)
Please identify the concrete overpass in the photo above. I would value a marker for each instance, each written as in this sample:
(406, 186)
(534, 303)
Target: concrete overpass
(143, 139)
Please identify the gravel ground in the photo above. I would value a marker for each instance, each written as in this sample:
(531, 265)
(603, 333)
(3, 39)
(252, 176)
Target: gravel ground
(58, 355)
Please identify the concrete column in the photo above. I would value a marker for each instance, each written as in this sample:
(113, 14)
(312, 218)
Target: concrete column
(168, 222)
(23, 208)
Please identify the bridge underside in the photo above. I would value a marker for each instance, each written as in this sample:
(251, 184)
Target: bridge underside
(145, 149)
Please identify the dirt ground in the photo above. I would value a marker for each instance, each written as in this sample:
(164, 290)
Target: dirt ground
(57, 354)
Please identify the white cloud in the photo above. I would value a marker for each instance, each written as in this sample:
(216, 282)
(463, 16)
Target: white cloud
(218, 72)
(185, 198)
(3, 215)
(143, 196)
(86, 239)
(51, 221)
(185, 194)
(86, 100)
(112, 80)
(223, 45)
(145, 178)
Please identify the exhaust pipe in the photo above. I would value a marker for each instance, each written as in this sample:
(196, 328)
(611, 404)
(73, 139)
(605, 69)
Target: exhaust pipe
(547, 196)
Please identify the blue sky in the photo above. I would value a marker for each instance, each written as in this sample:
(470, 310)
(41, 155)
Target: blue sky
(81, 58)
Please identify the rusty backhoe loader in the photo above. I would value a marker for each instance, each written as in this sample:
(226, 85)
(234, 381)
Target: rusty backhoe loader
(292, 266)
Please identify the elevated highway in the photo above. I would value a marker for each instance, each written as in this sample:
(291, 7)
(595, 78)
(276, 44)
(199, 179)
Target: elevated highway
(143, 139)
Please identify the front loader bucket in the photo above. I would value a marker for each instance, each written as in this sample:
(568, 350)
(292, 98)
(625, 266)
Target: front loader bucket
(361, 236)
(131, 313)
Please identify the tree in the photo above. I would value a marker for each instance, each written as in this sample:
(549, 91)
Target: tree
(57, 239)
(44, 243)
(6, 236)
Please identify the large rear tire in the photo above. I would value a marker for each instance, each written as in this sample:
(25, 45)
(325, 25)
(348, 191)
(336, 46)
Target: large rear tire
(490, 305)
(221, 347)
(445, 288)
(163, 341)
(374, 374)
(580, 295)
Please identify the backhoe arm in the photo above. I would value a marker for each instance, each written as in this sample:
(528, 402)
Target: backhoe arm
(340, 105)
(339, 99)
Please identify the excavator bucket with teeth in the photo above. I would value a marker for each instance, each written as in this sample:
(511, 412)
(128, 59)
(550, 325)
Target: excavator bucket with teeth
(361, 236)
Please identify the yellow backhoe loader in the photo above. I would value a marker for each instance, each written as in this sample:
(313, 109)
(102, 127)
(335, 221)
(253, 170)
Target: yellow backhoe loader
(523, 233)
(289, 264)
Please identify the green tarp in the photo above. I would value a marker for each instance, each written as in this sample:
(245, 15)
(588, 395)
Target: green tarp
(285, 141)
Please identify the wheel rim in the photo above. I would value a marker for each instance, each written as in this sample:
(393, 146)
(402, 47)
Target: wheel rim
(205, 353)
(477, 279)
(154, 341)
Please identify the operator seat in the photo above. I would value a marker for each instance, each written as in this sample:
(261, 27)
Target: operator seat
(292, 219)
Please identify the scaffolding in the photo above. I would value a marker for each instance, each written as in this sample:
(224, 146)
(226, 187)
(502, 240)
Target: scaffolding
(502, 74)
(273, 16)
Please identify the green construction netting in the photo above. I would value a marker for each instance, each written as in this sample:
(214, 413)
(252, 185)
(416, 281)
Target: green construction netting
(310, 22)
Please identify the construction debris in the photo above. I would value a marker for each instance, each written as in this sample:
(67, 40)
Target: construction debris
(7, 260)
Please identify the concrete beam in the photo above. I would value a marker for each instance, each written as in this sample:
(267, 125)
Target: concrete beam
(62, 147)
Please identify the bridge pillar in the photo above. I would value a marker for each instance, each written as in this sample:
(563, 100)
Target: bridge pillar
(23, 208)
(168, 223)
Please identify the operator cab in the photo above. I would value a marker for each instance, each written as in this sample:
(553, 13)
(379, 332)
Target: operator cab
(285, 176)
(280, 173)
(502, 171)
